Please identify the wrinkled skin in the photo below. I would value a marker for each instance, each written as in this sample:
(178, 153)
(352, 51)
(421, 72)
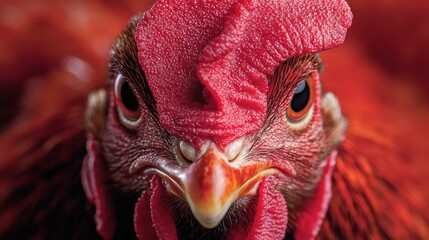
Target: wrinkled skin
(295, 152)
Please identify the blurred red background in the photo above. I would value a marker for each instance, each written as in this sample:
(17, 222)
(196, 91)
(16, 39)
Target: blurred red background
(53, 53)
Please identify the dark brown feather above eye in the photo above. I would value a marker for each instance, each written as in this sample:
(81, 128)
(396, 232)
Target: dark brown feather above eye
(124, 60)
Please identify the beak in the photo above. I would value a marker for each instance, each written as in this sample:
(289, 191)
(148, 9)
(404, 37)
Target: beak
(212, 183)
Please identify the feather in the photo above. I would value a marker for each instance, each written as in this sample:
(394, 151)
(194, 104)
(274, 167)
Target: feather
(373, 195)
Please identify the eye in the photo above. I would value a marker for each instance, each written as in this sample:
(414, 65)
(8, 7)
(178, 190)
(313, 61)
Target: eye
(126, 101)
(302, 100)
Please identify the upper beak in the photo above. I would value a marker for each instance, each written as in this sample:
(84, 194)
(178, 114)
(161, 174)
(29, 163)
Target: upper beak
(210, 187)
(212, 183)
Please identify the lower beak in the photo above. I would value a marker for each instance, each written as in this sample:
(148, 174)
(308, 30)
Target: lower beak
(211, 184)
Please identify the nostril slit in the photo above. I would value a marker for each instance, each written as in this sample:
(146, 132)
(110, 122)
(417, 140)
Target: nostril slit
(234, 148)
(188, 151)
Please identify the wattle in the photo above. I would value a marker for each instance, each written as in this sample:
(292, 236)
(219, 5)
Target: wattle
(153, 219)
(270, 219)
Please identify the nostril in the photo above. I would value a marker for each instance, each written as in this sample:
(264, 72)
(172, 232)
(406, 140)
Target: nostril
(234, 148)
(190, 154)
(188, 151)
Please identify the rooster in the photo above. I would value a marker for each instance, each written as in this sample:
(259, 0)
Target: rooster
(212, 125)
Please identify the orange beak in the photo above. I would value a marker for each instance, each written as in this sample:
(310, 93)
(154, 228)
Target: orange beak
(212, 183)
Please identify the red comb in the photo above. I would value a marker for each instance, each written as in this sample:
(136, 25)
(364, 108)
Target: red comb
(208, 64)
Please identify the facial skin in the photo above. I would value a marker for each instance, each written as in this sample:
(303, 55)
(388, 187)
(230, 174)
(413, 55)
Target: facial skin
(299, 131)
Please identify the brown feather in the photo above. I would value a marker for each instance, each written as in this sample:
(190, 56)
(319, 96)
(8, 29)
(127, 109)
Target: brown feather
(373, 195)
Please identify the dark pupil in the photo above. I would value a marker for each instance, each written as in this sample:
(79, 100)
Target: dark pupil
(128, 97)
(300, 97)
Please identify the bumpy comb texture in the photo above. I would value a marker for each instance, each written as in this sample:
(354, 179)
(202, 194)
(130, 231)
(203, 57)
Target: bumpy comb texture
(208, 64)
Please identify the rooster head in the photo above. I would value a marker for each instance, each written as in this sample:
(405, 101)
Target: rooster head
(214, 123)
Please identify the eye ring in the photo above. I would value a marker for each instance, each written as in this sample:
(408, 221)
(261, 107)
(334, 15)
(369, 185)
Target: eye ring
(302, 101)
(126, 101)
